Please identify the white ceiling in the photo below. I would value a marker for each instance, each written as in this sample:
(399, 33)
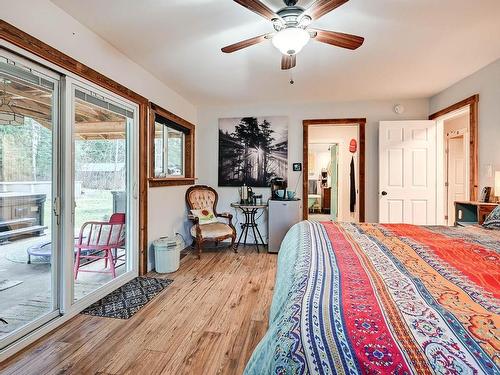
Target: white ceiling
(413, 48)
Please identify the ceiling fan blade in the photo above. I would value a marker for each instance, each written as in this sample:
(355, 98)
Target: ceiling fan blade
(288, 62)
(322, 7)
(245, 43)
(348, 41)
(257, 7)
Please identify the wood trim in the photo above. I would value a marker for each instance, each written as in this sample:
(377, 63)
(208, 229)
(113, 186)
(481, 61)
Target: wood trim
(189, 149)
(143, 189)
(158, 182)
(338, 121)
(361, 123)
(473, 104)
(474, 99)
(171, 116)
(29, 43)
(35, 46)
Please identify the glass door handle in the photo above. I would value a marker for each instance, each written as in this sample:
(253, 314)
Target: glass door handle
(56, 207)
(134, 190)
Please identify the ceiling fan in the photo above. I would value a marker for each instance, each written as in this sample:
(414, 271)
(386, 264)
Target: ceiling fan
(292, 32)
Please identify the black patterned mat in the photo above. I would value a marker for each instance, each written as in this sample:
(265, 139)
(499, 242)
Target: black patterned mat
(124, 302)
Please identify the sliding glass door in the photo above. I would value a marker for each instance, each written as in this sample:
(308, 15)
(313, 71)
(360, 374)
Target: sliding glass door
(101, 188)
(68, 195)
(29, 230)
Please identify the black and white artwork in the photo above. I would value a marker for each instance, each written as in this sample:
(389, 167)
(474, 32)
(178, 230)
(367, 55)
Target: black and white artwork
(252, 150)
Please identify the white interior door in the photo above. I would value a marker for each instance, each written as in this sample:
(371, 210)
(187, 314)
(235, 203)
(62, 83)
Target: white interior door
(407, 172)
(456, 173)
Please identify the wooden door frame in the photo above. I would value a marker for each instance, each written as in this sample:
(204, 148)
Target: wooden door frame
(473, 103)
(361, 124)
(38, 48)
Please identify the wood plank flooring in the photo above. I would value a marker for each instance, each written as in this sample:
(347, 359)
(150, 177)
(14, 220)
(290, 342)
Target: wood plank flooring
(208, 321)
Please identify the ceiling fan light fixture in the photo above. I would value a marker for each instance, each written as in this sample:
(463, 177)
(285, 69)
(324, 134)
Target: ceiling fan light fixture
(305, 21)
(291, 40)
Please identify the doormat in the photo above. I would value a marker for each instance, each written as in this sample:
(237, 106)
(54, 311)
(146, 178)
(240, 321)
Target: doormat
(124, 302)
(6, 284)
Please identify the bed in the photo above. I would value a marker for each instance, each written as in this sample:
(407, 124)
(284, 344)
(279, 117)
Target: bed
(383, 299)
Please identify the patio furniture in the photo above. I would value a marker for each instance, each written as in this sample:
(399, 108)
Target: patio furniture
(41, 249)
(99, 238)
(44, 248)
(200, 197)
(21, 214)
(116, 218)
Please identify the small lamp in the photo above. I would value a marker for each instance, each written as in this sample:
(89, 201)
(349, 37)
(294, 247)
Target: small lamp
(497, 185)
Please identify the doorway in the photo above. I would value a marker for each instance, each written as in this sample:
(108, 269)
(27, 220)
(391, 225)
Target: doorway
(323, 188)
(68, 207)
(457, 167)
(333, 176)
(456, 130)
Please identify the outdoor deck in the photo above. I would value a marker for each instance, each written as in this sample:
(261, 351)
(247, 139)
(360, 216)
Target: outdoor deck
(30, 297)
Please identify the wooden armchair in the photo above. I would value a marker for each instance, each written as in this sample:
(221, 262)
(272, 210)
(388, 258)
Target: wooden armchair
(199, 197)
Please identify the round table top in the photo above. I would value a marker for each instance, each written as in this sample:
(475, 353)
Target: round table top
(248, 205)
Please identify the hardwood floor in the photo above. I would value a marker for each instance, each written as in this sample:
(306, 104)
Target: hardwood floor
(208, 321)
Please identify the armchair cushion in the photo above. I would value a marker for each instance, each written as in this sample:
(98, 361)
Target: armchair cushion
(205, 216)
(213, 230)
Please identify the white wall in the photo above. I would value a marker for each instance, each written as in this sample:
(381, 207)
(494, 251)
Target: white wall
(341, 135)
(486, 83)
(45, 21)
(320, 157)
(374, 111)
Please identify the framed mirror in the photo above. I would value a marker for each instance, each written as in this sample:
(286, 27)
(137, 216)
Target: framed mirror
(171, 149)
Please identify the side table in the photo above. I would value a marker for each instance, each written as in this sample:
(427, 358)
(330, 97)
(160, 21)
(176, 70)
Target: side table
(250, 211)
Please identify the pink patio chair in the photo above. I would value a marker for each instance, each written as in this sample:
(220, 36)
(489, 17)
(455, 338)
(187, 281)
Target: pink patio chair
(116, 218)
(97, 241)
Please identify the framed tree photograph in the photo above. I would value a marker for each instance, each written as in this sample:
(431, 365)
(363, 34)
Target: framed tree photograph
(252, 150)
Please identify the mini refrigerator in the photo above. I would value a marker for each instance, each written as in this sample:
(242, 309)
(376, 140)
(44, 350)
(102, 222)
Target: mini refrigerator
(283, 214)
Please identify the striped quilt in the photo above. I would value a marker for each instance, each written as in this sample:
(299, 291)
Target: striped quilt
(383, 299)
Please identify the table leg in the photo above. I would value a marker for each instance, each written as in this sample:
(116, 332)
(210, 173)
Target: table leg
(246, 225)
(250, 222)
(256, 240)
(239, 238)
(258, 232)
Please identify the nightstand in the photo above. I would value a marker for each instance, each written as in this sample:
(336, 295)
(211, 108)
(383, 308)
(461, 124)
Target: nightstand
(468, 213)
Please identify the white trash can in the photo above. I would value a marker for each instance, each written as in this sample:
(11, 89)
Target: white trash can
(168, 253)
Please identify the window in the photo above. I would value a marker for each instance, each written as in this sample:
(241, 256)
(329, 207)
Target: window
(169, 152)
(172, 149)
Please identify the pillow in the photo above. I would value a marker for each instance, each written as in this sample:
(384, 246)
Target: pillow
(493, 219)
(205, 216)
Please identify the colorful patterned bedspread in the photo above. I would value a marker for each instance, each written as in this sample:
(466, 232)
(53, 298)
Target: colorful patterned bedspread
(383, 299)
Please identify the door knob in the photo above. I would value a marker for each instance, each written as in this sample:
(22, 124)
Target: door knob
(384, 193)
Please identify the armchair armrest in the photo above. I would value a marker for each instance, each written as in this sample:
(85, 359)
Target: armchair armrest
(193, 218)
(226, 215)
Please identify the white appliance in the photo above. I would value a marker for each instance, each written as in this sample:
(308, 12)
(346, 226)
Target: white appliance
(282, 216)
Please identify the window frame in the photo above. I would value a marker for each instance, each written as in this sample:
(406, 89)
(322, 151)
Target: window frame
(165, 136)
(188, 177)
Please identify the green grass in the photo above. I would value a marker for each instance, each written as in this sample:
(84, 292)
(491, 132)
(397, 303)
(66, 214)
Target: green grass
(92, 205)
